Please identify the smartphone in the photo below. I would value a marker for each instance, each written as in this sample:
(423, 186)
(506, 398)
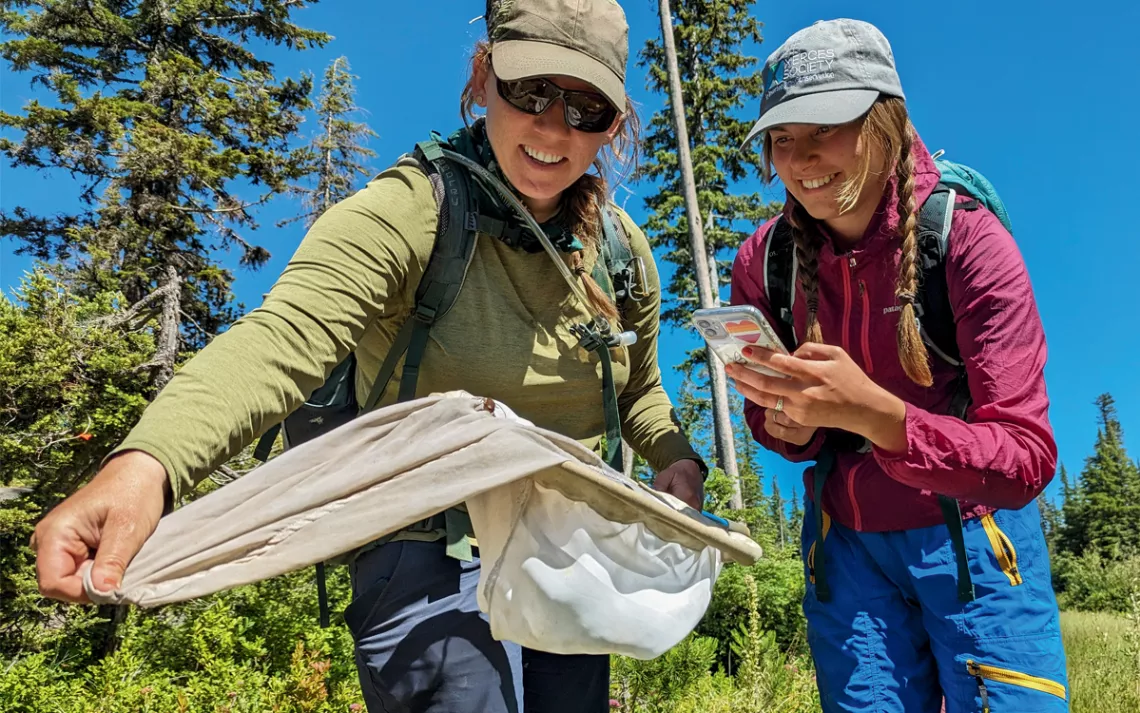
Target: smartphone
(729, 329)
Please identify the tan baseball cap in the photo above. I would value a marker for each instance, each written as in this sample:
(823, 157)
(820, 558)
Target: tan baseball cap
(584, 39)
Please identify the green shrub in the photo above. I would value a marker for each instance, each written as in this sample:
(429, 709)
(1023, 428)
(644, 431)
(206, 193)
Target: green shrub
(1093, 583)
(780, 589)
(252, 649)
(687, 679)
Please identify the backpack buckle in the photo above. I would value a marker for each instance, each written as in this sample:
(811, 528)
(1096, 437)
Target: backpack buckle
(425, 313)
(627, 280)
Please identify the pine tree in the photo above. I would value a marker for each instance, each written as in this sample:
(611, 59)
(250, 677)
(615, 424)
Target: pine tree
(779, 513)
(717, 79)
(1066, 486)
(1050, 521)
(751, 489)
(175, 132)
(162, 115)
(69, 378)
(1102, 512)
(751, 472)
(691, 404)
(166, 118)
(797, 509)
(337, 154)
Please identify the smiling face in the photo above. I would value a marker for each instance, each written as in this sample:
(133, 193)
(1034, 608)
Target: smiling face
(540, 155)
(832, 171)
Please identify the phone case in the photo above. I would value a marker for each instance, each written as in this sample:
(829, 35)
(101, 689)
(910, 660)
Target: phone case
(727, 330)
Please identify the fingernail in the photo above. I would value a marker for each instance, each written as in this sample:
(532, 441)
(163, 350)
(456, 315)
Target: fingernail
(747, 351)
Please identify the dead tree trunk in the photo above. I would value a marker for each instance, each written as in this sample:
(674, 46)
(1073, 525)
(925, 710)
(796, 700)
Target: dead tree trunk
(722, 421)
(167, 352)
(718, 386)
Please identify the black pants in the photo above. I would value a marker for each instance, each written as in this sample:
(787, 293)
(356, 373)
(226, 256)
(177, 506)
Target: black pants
(423, 646)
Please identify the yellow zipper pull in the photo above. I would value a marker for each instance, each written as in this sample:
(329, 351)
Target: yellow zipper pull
(976, 672)
(1013, 678)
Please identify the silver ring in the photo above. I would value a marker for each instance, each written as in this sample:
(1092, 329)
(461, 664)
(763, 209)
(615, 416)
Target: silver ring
(779, 405)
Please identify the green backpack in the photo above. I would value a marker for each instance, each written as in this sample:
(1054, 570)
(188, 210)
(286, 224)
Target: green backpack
(466, 209)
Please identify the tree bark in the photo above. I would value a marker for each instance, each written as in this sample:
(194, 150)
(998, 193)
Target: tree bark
(114, 321)
(167, 352)
(718, 386)
(722, 421)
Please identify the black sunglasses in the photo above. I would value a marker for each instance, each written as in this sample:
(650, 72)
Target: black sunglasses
(585, 111)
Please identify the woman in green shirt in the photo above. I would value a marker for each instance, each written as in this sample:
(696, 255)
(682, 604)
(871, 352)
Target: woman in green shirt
(551, 80)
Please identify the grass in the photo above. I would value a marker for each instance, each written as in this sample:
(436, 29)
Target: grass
(1103, 652)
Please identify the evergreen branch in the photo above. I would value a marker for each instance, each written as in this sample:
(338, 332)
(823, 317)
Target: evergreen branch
(57, 438)
(225, 18)
(131, 40)
(200, 209)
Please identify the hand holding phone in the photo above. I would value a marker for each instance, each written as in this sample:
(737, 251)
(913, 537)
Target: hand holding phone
(729, 329)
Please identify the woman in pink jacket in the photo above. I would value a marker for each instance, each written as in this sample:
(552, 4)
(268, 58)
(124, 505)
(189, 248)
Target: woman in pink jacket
(928, 575)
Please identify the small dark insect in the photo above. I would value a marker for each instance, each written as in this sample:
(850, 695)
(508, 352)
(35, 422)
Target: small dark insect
(489, 405)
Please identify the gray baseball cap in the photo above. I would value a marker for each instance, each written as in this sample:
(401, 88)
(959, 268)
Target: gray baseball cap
(829, 73)
(584, 39)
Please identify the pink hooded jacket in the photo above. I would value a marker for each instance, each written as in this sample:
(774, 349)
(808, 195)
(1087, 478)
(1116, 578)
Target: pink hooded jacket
(1004, 454)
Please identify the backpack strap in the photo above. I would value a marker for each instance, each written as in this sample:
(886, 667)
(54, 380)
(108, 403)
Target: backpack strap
(824, 464)
(938, 329)
(936, 318)
(615, 269)
(780, 275)
(265, 443)
(936, 321)
(442, 279)
(617, 266)
(456, 233)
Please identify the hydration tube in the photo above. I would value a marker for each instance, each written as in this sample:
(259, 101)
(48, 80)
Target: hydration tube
(600, 322)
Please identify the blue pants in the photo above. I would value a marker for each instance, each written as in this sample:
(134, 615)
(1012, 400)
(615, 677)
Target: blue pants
(423, 646)
(895, 637)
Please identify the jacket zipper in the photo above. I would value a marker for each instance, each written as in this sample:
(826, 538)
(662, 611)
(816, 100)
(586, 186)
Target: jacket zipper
(982, 672)
(847, 300)
(847, 265)
(858, 517)
(1003, 550)
(866, 336)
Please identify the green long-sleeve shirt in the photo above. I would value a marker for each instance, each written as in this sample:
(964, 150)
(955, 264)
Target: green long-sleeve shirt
(350, 286)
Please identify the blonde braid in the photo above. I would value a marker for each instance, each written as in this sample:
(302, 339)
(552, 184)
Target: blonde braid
(807, 255)
(912, 352)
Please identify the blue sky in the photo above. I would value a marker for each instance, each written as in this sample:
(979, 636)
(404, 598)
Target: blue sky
(1042, 97)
